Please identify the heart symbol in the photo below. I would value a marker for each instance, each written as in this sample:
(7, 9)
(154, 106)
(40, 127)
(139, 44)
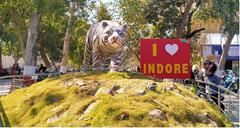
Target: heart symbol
(171, 48)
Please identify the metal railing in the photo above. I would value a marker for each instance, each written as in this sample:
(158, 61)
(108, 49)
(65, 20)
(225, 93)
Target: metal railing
(9, 83)
(226, 100)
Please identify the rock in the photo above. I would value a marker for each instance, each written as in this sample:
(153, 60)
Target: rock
(91, 106)
(121, 90)
(207, 119)
(88, 110)
(114, 89)
(212, 124)
(54, 109)
(80, 82)
(170, 87)
(52, 119)
(141, 92)
(71, 82)
(56, 117)
(195, 97)
(124, 116)
(152, 87)
(86, 125)
(102, 90)
(157, 114)
(68, 83)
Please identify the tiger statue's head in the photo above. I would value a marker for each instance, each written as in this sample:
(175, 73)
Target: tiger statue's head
(112, 35)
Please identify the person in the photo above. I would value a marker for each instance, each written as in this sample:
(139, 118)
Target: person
(195, 71)
(54, 67)
(42, 68)
(18, 69)
(210, 70)
(13, 69)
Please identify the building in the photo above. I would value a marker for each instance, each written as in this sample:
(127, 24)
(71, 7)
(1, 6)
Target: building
(213, 49)
(214, 43)
(8, 61)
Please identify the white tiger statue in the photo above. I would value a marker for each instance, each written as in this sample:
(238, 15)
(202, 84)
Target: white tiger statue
(105, 42)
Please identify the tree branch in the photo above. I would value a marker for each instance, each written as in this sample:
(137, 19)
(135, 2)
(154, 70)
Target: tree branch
(184, 18)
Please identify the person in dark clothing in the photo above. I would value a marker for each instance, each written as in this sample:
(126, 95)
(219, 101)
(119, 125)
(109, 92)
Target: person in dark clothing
(201, 75)
(18, 69)
(212, 78)
(42, 68)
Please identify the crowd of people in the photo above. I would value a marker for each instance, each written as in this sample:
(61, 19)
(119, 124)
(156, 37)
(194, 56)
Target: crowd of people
(16, 70)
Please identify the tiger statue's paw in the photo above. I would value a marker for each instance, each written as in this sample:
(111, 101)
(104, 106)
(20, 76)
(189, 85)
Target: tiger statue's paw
(111, 70)
(115, 70)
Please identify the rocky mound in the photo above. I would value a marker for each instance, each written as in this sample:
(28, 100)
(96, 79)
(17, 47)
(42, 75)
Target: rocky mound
(108, 99)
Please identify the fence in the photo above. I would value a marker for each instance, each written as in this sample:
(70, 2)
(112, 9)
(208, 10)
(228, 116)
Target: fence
(10, 83)
(223, 98)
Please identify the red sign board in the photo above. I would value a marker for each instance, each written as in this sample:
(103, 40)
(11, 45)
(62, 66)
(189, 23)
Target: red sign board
(165, 58)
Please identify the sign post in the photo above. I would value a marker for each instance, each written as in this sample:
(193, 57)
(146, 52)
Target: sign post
(165, 58)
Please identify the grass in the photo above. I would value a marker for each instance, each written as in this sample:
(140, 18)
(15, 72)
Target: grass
(51, 99)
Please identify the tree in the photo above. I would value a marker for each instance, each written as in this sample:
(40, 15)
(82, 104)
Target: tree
(162, 19)
(40, 7)
(13, 13)
(63, 68)
(76, 48)
(227, 11)
(33, 35)
(76, 9)
(9, 42)
(1, 34)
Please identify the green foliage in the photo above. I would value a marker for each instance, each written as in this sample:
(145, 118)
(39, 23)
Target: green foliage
(38, 4)
(9, 42)
(165, 17)
(154, 19)
(76, 47)
(52, 28)
(228, 11)
(102, 13)
(225, 10)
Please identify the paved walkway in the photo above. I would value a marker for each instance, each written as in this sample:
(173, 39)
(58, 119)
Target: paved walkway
(5, 86)
(234, 108)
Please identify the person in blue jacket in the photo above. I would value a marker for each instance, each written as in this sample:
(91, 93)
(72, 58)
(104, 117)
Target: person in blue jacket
(212, 78)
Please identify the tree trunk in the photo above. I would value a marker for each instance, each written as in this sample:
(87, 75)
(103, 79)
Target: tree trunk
(63, 68)
(18, 25)
(40, 46)
(222, 61)
(0, 56)
(44, 57)
(31, 49)
(184, 19)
